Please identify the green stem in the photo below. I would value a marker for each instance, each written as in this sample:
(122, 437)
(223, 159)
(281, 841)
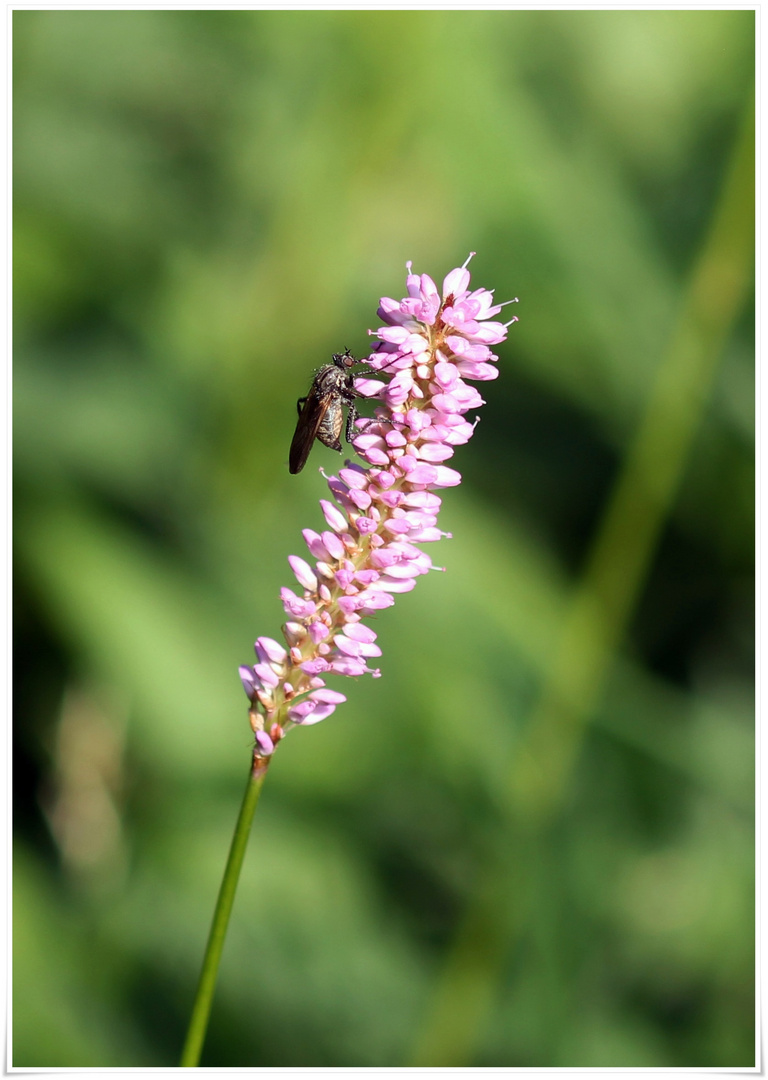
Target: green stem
(201, 1010)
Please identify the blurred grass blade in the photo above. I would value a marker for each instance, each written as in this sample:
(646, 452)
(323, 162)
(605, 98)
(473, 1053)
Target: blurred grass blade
(599, 611)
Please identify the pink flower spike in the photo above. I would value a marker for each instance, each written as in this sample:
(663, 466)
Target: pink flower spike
(382, 504)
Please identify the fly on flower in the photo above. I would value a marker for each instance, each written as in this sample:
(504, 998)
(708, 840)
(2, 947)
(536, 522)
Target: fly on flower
(383, 509)
(321, 412)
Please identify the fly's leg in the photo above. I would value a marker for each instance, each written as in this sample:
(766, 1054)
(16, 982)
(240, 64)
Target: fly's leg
(349, 394)
(301, 402)
(352, 416)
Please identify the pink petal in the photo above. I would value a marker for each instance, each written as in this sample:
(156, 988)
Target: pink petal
(334, 516)
(303, 572)
(334, 545)
(456, 281)
(447, 477)
(328, 697)
(354, 477)
(264, 743)
(435, 452)
(267, 675)
(270, 650)
(250, 683)
(360, 632)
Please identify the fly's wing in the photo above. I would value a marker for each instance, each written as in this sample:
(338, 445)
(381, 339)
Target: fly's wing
(310, 419)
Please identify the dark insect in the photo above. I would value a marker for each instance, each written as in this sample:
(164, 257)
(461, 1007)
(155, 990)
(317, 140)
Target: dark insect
(321, 412)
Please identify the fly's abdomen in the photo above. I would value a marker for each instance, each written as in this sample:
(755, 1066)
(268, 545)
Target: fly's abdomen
(330, 426)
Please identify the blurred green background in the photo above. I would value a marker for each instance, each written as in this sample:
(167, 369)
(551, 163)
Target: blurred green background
(530, 843)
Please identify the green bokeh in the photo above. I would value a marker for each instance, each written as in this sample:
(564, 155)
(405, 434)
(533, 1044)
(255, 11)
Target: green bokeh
(530, 843)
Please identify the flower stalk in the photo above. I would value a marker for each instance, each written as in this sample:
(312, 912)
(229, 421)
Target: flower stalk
(430, 343)
(201, 1009)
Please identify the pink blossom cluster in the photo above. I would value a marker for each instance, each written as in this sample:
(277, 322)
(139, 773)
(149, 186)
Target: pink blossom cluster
(430, 344)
